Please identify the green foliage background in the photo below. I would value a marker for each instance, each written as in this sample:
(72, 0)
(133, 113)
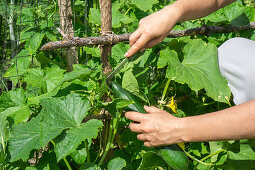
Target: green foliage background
(42, 117)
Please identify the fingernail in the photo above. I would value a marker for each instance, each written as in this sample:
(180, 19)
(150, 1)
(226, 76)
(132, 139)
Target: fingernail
(126, 54)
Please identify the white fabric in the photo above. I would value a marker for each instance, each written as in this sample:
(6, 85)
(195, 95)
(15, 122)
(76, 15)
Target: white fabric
(236, 59)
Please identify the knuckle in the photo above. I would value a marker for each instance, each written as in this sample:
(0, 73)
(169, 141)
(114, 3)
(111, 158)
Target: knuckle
(147, 32)
(146, 128)
(141, 22)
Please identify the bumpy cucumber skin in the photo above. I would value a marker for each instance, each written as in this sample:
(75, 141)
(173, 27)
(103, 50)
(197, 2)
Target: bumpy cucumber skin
(172, 154)
(174, 157)
(124, 94)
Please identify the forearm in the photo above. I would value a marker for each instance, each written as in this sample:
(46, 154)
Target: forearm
(194, 9)
(234, 123)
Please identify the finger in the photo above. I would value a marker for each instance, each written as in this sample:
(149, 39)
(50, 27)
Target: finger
(139, 44)
(141, 137)
(153, 42)
(135, 127)
(135, 116)
(152, 109)
(148, 144)
(134, 37)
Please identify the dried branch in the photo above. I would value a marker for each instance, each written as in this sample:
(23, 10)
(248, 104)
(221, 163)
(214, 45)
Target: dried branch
(114, 39)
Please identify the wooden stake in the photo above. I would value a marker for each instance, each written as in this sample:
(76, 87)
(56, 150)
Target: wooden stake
(106, 30)
(114, 39)
(65, 12)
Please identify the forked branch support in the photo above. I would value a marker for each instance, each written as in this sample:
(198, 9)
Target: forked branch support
(109, 39)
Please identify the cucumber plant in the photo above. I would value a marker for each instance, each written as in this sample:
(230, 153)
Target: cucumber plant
(54, 119)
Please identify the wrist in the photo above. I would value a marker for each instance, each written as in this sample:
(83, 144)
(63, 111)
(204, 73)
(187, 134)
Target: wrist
(174, 10)
(184, 129)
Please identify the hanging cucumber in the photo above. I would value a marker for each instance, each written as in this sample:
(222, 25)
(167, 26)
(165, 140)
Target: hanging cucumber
(124, 94)
(174, 157)
(172, 154)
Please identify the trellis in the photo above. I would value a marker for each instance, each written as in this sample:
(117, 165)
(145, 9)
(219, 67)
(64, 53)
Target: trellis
(108, 38)
(69, 44)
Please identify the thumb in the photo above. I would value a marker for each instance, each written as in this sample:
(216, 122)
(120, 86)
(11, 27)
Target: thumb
(152, 109)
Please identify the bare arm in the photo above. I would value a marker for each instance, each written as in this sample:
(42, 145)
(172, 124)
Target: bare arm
(155, 27)
(161, 128)
(235, 123)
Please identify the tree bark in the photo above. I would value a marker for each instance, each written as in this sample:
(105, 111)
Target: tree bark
(114, 39)
(106, 30)
(65, 12)
(11, 29)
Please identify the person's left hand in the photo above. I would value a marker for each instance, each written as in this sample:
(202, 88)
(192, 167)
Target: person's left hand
(156, 128)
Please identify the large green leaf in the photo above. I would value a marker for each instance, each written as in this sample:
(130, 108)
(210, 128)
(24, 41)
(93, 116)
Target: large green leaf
(144, 5)
(116, 164)
(75, 136)
(24, 138)
(199, 69)
(46, 79)
(228, 13)
(62, 113)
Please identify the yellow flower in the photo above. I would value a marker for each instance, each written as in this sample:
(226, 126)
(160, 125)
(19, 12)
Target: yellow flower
(173, 105)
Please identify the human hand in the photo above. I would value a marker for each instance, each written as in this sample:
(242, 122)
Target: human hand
(156, 128)
(152, 30)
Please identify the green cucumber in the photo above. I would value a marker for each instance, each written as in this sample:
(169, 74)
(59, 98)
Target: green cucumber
(172, 154)
(124, 94)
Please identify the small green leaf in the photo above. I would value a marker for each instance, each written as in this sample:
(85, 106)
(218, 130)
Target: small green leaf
(4, 132)
(118, 17)
(35, 42)
(89, 166)
(245, 152)
(119, 103)
(94, 16)
(79, 155)
(19, 66)
(14, 104)
(150, 161)
(130, 83)
(164, 57)
(116, 164)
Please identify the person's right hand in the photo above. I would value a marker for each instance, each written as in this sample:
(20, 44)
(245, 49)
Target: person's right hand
(152, 30)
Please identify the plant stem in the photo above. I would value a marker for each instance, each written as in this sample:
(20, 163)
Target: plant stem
(108, 145)
(67, 163)
(87, 150)
(164, 92)
(195, 159)
(112, 132)
(212, 154)
(128, 10)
